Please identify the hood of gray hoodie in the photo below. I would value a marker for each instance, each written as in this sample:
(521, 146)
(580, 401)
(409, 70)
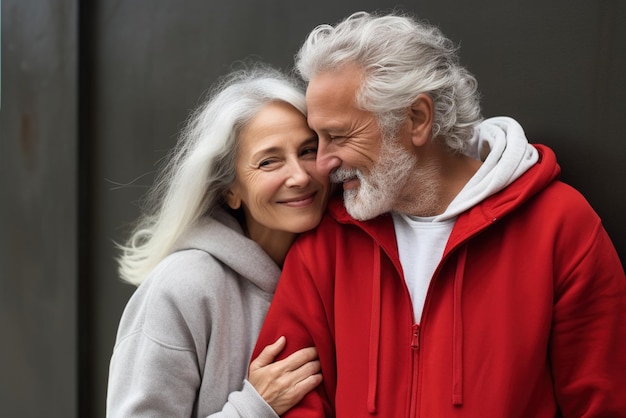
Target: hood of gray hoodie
(221, 236)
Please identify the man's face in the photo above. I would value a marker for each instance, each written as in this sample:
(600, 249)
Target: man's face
(351, 148)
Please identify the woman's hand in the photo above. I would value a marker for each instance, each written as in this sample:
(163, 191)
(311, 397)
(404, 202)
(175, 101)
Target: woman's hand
(284, 383)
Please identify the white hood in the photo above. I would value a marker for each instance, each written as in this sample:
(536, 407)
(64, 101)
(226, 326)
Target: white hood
(500, 143)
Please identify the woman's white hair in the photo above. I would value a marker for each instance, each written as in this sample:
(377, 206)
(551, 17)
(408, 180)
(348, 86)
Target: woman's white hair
(201, 167)
(401, 58)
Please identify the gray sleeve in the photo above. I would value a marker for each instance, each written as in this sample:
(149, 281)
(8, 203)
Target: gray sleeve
(246, 403)
(155, 370)
(148, 379)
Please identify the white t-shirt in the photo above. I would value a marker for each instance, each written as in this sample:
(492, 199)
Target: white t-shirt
(420, 244)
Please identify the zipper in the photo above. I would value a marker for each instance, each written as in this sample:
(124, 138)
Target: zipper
(415, 337)
(414, 393)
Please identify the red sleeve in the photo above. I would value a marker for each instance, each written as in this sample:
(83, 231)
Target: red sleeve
(588, 343)
(302, 311)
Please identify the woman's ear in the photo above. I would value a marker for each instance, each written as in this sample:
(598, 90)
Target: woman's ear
(232, 199)
(421, 114)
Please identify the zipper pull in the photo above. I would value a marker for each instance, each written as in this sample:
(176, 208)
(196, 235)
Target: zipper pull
(415, 339)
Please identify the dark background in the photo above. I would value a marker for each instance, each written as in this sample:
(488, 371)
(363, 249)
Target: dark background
(95, 92)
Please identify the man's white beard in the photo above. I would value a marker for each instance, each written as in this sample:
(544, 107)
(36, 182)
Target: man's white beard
(378, 192)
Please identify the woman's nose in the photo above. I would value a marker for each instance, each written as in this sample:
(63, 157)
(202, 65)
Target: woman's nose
(298, 176)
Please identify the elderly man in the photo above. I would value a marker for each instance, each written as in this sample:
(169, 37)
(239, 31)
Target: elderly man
(456, 276)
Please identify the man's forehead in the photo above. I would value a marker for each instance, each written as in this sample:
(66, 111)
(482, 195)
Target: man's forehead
(333, 89)
(347, 77)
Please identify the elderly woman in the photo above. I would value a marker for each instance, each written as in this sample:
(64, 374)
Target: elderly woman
(206, 256)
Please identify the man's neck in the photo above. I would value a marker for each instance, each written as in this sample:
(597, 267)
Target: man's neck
(437, 179)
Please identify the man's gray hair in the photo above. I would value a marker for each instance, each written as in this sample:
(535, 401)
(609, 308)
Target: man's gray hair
(401, 58)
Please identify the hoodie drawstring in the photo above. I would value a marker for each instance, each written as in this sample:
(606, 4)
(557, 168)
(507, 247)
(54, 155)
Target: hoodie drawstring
(457, 338)
(374, 333)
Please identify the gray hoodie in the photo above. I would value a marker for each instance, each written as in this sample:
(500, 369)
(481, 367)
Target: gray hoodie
(187, 333)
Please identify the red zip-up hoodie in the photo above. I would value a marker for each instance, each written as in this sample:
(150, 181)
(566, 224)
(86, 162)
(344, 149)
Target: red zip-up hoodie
(525, 315)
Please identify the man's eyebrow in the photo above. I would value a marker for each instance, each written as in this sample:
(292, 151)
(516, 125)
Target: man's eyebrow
(333, 128)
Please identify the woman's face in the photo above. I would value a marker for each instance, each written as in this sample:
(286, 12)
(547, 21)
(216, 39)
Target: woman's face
(277, 183)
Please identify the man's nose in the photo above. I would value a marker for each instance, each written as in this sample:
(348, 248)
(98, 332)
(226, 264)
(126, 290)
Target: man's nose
(326, 161)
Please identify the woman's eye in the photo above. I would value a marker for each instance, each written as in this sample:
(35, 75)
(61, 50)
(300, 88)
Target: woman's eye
(266, 163)
(310, 150)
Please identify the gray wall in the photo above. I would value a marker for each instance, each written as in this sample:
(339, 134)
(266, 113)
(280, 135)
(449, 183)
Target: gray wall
(39, 209)
(94, 93)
